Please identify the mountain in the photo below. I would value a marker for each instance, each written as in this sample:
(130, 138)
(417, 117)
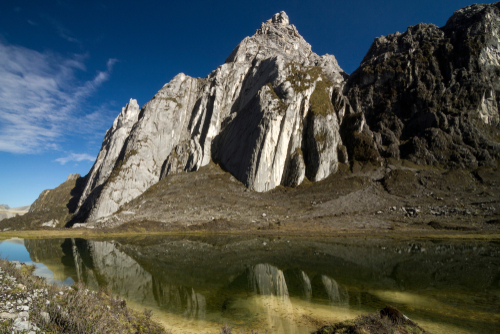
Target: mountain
(266, 115)
(53, 208)
(276, 112)
(416, 123)
(430, 94)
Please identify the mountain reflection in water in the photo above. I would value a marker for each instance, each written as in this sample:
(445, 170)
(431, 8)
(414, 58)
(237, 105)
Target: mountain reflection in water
(287, 285)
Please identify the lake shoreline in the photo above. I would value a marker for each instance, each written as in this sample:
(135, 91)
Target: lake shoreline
(108, 233)
(199, 282)
(31, 305)
(18, 281)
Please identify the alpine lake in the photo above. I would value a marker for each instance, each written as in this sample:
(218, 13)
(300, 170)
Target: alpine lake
(280, 284)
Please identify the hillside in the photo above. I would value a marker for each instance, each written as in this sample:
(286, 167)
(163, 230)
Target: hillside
(54, 207)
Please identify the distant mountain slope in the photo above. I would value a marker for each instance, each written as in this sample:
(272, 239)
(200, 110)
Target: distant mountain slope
(53, 205)
(8, 212)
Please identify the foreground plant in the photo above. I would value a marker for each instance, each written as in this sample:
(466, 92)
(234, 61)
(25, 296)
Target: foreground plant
(388, 320)
(75, 309)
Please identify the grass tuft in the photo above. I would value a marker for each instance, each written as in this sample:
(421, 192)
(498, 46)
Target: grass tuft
(78, 310)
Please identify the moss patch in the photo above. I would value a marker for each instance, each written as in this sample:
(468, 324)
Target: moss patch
(119, 164)
(178, 104)
(320, 100)
(298, 151)
(303, 77)
(282, 106)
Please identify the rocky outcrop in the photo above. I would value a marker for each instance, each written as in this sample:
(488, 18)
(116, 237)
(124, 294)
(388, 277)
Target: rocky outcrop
(270, 100)
(431, 94)
(110, 150)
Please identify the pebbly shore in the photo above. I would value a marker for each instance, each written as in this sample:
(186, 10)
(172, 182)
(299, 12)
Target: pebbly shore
(16, 300)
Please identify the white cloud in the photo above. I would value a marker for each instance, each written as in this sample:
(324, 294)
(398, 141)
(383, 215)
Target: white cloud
(40, 99)
(76, 157)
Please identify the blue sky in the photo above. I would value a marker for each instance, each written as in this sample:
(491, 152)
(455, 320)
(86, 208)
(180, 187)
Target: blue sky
(68, 67)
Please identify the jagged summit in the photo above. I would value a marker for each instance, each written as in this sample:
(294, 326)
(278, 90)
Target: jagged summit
(277, 38)
(280, 18)
(430, 94)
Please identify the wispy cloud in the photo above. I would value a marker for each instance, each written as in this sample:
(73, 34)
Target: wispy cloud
(32, 23)
(63, 32)
(40, 99)
(75, 157)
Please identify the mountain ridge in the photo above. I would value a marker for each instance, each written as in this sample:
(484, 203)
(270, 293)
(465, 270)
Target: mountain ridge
(276, 115)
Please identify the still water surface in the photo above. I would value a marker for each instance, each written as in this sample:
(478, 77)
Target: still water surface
(282, 285)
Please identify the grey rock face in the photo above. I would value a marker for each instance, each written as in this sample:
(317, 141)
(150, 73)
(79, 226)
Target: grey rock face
(431, 94)
(110, 150)
(295, 172)
(51, 223)
(251, 115)
(185, 157)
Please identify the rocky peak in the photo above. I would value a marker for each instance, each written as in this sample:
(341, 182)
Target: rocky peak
(431, 94)
(72, 177)
(278, 38)
(128, 116)
(280, 18)
(111, 148)
(473, 31)
(469, 17)
(274, 37)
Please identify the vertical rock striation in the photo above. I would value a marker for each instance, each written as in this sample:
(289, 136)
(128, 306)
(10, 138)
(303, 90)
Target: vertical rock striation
(266, 115)
(111, 147)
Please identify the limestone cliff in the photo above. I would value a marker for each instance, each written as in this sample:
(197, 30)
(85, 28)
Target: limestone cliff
(110, 150)
(266, 115)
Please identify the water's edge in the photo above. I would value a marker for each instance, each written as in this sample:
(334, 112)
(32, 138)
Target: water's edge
(286, 285)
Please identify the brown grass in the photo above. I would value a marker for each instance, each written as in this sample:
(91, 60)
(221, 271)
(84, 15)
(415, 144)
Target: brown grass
(78, 310)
